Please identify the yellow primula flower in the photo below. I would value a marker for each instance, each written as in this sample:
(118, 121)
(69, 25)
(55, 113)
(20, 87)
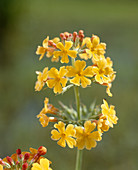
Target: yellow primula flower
(86, 137)
(1, 167)
(65, 51)
(57, 79)
(102, 71)
(64, 135)
(95, 48)
(102, 124)
(44, 165)
(48, 108)
(109, 113)
(41, 79)
(42, 49)
(51, 50)
(79, 73)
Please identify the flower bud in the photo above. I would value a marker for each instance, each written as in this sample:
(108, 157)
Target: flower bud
(18, 151)
(42, 150)
(26, 156)
(81, 32)
(25, 166)
(95, 40)
(10, 161)
(61, 35)
(20, 156)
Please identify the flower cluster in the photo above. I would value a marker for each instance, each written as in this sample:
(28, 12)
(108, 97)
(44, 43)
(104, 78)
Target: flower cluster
(32, 160)
(80, 127)
(79, 49)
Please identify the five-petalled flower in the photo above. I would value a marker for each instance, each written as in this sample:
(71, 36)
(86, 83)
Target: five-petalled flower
(64, 135)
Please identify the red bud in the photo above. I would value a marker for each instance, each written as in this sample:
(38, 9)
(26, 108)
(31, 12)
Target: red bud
(25, 166)
(42, 150)
(18, 151)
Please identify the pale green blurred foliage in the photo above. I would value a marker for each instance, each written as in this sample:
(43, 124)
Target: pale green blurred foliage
(23, 26)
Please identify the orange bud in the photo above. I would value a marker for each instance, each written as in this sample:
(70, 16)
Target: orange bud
(81, 32)
(42, 150)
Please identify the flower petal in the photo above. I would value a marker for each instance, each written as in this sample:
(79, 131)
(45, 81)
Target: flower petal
(70, 131)
(80, 65)
(60, 126)
(58, 88)
(64, 58)
(96, 135)
(85, 81)
(51, 83)
(71, 71)
(71, 142)
(55, 135)
(44, 164)
(72, 53)
(60, 46)
(62, 142)
(68, 44)
(53, 72)
(89, 127)
(76, 80)
(90, 143)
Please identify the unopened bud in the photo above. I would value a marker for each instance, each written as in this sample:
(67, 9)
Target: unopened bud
(50, 43)
(18, 151)
(1, 162)
(74, 36)
(81, 32)
(9, 159)
(42, 150)
(20, 156)
(70, 35)
(26, 156)
(17, 162)
(67, 36)
(25, 166)
(95, 40)
(61, 35)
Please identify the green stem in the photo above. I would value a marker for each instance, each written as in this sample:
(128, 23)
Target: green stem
(78, 160)
(77, 98)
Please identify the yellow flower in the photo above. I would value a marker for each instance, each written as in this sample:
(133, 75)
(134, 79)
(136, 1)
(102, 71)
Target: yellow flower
(103, 71)
(57, 79)
(95, 48)
(65, 51)
(109, 113)
(44, 165)
(51, 50)
(79, 73)
(42, 50)
(48, 108)
(41, 79)
(64, 135)
(102, 124)
(44, 119)
(85, 137)
(1, 167)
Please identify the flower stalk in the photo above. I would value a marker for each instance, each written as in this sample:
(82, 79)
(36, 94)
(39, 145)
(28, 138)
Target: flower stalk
(79, 159)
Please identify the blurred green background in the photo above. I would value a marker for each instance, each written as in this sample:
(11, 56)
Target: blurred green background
(23, 26)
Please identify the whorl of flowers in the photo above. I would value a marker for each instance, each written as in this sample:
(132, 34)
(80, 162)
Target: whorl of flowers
(83, 63)
(26, 160)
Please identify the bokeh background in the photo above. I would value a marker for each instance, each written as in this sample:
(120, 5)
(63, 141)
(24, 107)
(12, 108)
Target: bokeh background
(23, 26)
